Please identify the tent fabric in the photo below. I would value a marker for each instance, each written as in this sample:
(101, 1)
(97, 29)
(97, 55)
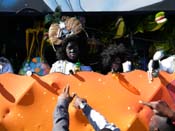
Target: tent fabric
(86, 6)
(15, 6)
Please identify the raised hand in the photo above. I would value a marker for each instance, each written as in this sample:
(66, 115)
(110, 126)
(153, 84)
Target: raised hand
(66, 94)
(79, 102)
(160, 108)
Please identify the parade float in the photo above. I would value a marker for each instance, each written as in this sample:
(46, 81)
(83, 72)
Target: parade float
(27, 102)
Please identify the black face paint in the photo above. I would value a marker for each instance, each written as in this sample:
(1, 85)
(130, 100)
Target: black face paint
(72, 51)
(117, 65)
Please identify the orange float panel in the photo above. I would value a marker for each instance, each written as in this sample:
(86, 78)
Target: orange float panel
(27, 102)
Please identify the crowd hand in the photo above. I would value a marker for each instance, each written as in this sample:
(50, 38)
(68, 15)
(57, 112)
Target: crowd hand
(160, 108)
(78, 101)
(66, 95)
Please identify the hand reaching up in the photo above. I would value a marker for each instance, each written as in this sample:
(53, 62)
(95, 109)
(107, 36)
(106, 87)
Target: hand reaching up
(160, 108)
(66, 95)
(79, 103)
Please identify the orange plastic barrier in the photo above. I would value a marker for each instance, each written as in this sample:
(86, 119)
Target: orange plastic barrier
(27, 102)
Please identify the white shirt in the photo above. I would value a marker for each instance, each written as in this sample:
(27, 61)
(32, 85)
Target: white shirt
(62, 66)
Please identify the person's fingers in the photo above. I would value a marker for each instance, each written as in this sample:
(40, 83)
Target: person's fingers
(147, 104)
(150, 105)
(66, 89)
(156, 129)
(76, 106)
(155, 112)
(77, 96)
(85, 100)
(73, 95)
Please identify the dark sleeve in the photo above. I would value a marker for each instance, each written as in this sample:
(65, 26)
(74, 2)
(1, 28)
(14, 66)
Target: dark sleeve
(97, 120)
(61, 116)
(87, 110)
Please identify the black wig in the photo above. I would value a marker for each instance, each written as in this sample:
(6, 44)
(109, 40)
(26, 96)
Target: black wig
(114, 54)
(80, 40)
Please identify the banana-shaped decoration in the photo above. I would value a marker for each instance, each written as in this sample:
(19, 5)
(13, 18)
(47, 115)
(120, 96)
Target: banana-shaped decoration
(120, 25)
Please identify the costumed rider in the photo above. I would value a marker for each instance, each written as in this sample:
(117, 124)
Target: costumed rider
(5, 66)
(116, 58)
(68, 39)
(161, 62)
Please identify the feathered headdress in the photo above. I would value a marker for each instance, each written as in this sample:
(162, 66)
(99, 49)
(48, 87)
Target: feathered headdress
(67, 28)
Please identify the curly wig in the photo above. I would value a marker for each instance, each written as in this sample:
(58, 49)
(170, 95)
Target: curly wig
(114, 54)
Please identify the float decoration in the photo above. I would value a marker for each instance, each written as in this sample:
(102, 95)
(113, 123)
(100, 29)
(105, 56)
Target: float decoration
(35, 61)
(27, 102)
(152, 23)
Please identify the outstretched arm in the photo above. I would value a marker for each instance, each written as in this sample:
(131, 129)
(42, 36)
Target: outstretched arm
(61, 115)
(97, 120)
(161, 108)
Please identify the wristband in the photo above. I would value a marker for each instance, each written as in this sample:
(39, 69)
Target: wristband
(82, 105)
